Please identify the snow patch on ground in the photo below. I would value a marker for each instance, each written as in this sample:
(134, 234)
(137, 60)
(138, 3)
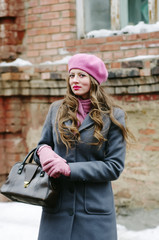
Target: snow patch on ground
(21, 222)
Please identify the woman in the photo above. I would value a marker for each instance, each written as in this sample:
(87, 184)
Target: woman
(83, 145)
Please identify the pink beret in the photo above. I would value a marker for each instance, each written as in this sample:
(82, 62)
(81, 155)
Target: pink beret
(90, 64)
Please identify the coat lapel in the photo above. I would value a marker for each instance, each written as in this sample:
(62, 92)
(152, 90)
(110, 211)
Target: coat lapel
(85, 124)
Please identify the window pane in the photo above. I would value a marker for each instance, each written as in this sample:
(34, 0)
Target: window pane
(97, 15)
(138, 11)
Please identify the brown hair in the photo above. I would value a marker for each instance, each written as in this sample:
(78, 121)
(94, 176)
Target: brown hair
(101, 103)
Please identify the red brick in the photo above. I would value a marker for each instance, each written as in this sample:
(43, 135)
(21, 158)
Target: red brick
(154, 43)
(12, 114)
(143, 36)
(49, 52)
(62, 22)
(114, 39)
(141, 52)
(48, 2)
(50, 15)
(62, 1)
(107, 56)
(37, 46)
(109, 47)
(62, 7)
(68, 29)
(118, 54)
(15, 76)
(151, 148)
(41, 24)
(154, 35)
(68, 13)
(43, 31)
(130, 53)
(153, 51)
(58, 44)
(70, 43)
(41, 38)
(33, 3)
(147, 131)
(62, 36)
(41, 9)
(32, 53)
(90, 49)
(115, 65)
(94, 41)
(134, 45)
(29, 40)
(131, 37)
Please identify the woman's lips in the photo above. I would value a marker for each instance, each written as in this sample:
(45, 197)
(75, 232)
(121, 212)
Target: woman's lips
(76, 87)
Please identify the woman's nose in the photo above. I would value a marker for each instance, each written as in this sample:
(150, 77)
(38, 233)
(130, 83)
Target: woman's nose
(76, 78)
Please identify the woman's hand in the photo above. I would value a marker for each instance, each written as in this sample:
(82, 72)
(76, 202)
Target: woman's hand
(52, 163)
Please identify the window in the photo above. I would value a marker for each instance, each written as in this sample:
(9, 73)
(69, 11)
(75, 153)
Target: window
(113, 14)
(133, 11)
(96, 15)
(92, 15)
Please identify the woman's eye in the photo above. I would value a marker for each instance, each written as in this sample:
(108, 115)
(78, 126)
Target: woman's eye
(71, 75)
(82, 75)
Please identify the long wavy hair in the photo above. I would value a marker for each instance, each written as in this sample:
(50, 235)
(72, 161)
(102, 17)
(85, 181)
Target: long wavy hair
(101, 103)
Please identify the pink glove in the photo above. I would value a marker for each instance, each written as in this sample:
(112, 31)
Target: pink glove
(52, 163)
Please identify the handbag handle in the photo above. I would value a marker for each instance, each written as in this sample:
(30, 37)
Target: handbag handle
(25, 159)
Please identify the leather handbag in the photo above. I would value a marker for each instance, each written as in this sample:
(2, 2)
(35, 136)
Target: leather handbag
(28, 183)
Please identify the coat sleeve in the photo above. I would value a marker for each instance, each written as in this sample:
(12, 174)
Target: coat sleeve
(46, 135)
(113, 164)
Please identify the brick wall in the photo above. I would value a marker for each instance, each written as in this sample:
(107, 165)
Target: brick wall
(45, 30)
(26, 94)
(113, 48)
(50, 24)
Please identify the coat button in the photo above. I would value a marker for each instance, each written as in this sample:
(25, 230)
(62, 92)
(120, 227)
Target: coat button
(71, 212)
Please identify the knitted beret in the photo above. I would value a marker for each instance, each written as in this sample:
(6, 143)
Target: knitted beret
(90, 64)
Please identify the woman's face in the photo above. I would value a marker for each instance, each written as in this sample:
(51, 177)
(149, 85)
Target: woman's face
(80, 83)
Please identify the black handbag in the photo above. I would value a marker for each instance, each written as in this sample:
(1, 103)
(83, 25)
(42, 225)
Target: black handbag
(28, 183)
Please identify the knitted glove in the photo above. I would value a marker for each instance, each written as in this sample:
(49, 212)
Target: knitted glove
(52, 163)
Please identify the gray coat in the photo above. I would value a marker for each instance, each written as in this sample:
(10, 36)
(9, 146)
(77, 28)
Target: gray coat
(86, 206)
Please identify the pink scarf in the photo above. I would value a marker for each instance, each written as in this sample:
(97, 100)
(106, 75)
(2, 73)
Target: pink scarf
(83, 108)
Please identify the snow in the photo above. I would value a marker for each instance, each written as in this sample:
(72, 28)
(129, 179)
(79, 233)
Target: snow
(142, 57)
(18, 62)
(147, 234)
(62, 61)
(141, 27)
(21, 222)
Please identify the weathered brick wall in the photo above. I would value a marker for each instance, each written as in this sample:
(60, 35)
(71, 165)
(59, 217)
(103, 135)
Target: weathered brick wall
(12, 28)
(138, 185)
(45, 30)
(26, 94)
(50, 24)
